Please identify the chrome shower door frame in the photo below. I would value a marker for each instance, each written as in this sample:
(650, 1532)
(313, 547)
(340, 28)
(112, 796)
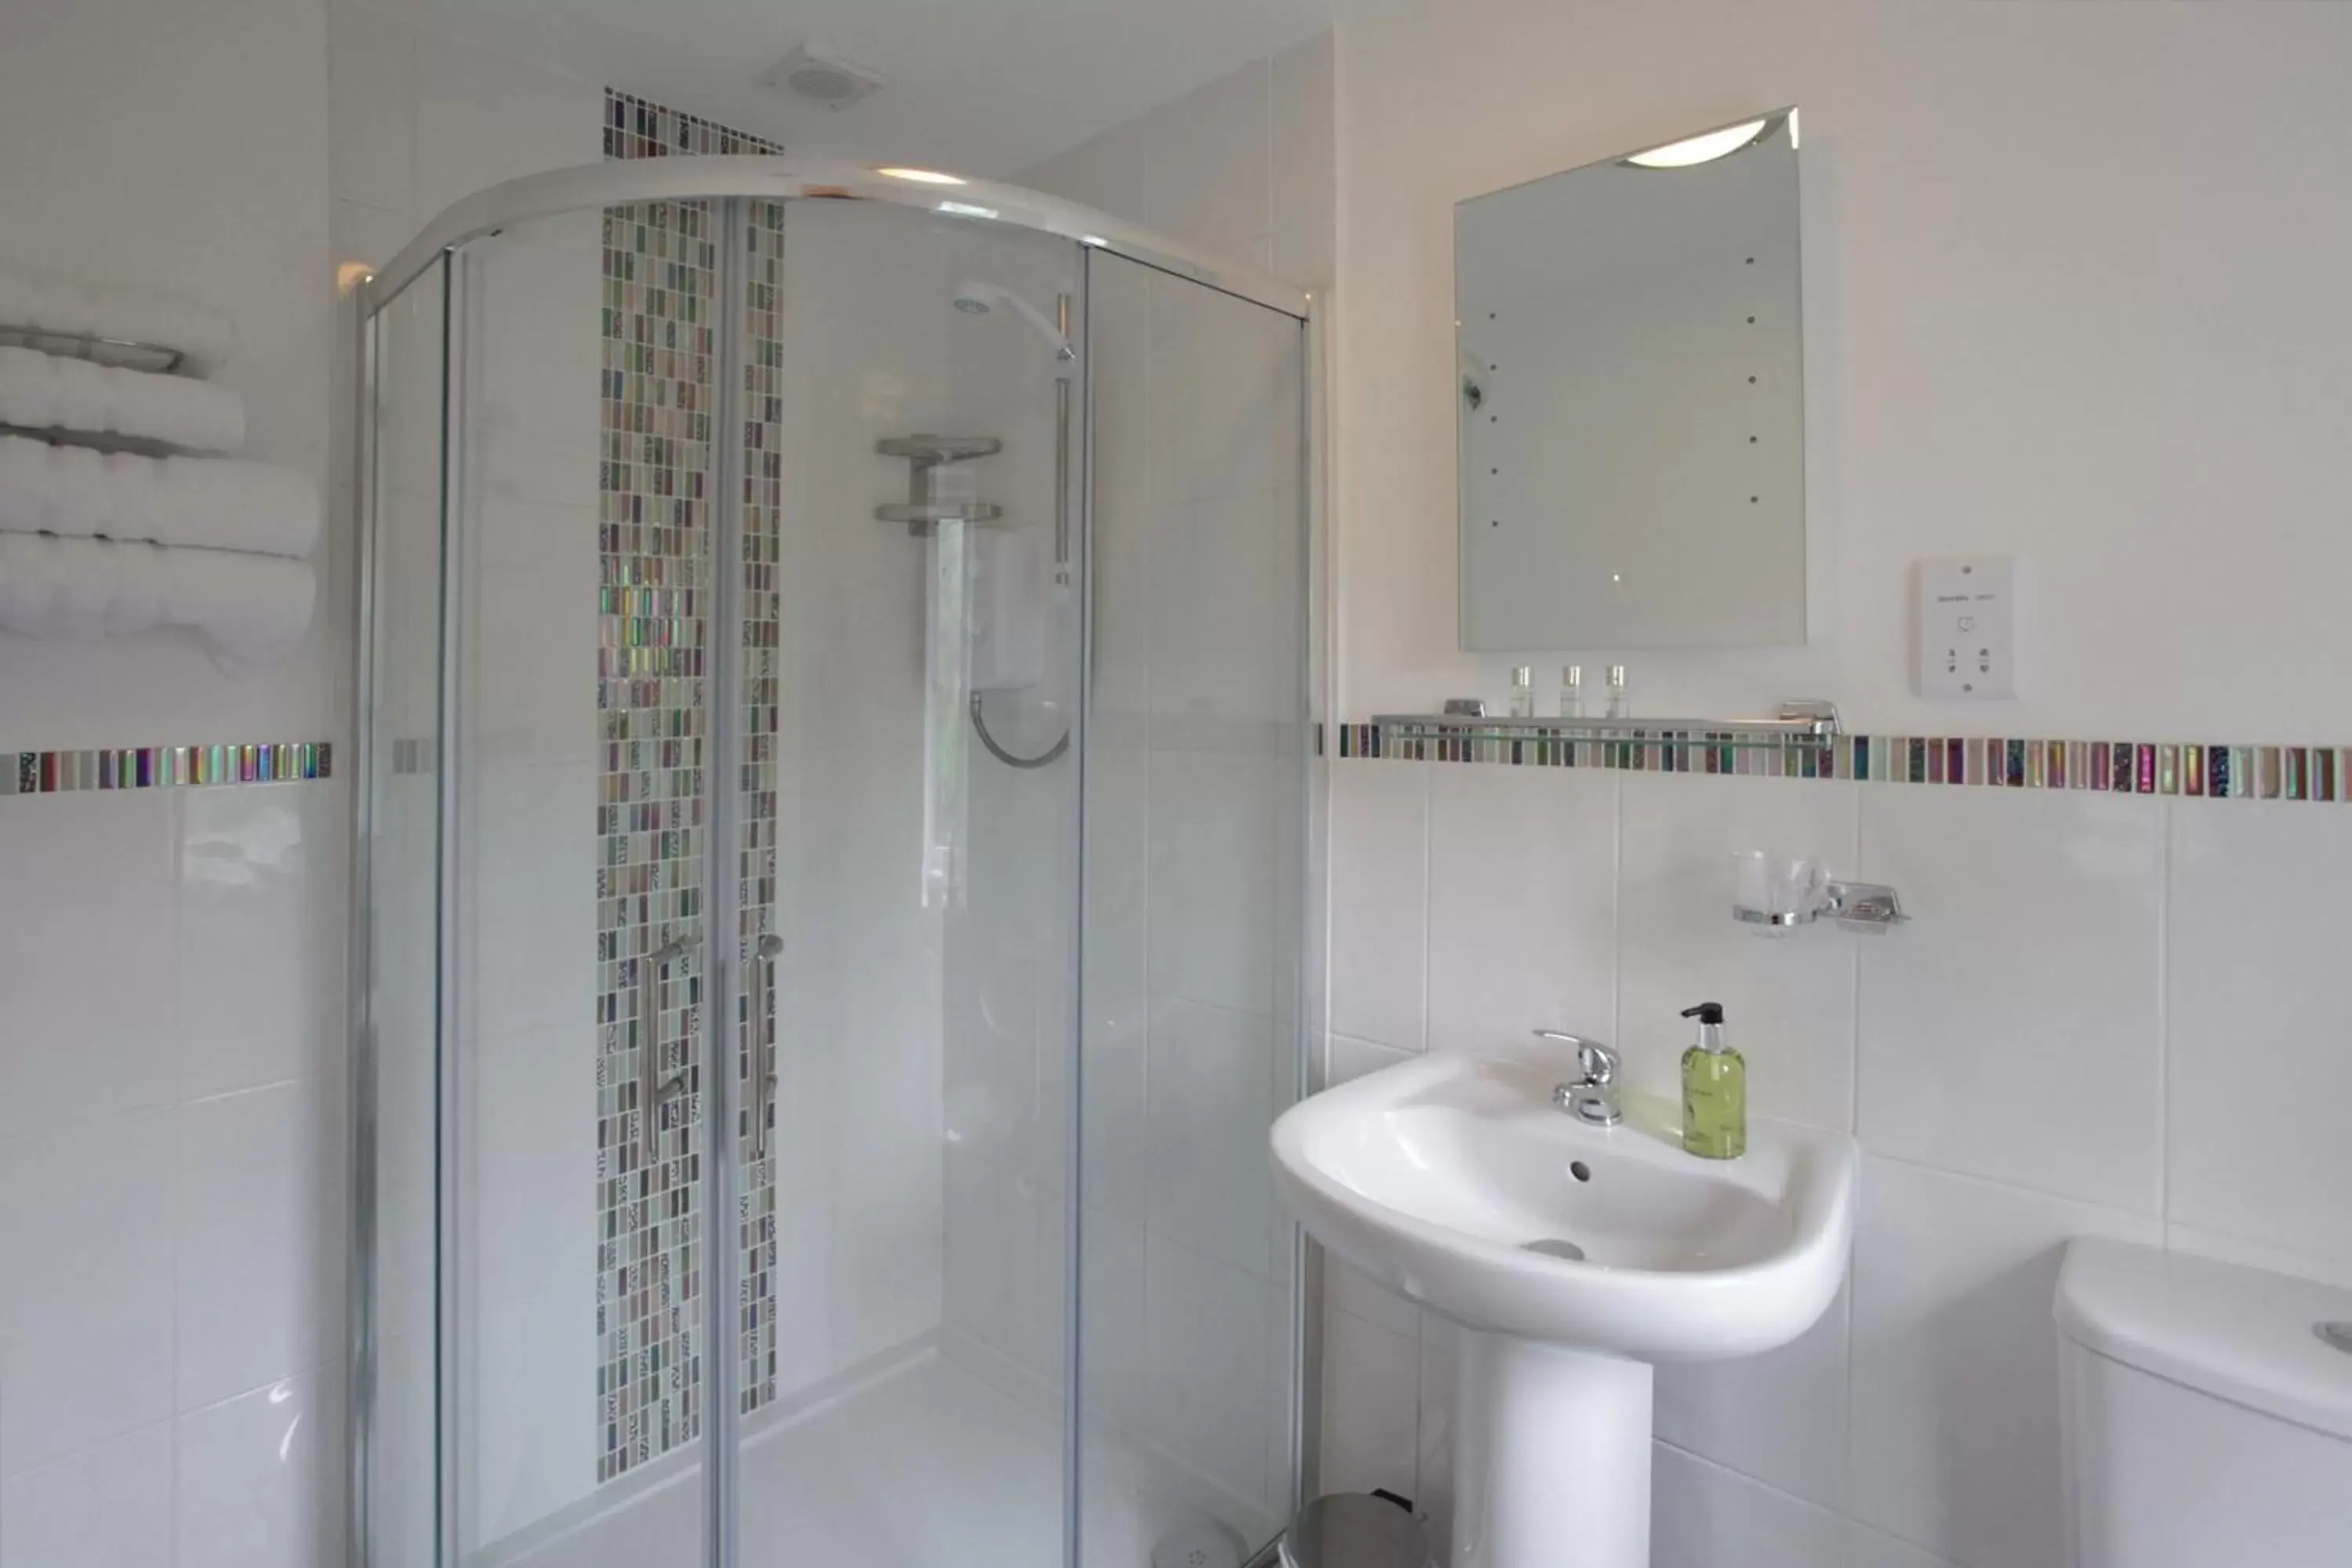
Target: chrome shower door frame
(726, 183)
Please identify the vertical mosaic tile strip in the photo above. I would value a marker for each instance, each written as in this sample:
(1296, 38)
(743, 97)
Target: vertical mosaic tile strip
(165, 767)
(760, 408)
(2116, 767)
(658, 397)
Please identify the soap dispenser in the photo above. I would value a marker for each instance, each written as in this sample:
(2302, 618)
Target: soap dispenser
(1715, 1091)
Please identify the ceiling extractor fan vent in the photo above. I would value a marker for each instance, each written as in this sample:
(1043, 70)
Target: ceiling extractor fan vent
(826, 80)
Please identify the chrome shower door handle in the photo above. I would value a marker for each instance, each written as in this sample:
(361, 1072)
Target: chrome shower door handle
(651, 1090)
(762, 1000)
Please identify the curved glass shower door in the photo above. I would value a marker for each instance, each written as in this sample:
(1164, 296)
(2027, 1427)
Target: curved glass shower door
(837, 781)
(908, 1405)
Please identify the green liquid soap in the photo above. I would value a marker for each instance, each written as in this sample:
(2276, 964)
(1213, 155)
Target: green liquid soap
(1714, 1091)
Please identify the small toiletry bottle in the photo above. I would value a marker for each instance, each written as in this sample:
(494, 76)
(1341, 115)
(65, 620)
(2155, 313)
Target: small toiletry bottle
(1523, 692)
(1715, 1091)
(1619, 705)
(1571, 691)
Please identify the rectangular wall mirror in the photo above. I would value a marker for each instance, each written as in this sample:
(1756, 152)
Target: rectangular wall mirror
(1632, 401)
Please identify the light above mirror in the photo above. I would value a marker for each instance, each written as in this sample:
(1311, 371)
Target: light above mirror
(1702, 148)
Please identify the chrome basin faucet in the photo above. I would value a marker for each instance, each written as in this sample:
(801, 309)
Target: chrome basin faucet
(1593, 1098)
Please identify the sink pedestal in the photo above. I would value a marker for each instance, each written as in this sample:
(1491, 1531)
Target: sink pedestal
(1551, 1456)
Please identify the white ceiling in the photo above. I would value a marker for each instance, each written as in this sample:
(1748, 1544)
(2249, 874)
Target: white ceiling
(988, 87)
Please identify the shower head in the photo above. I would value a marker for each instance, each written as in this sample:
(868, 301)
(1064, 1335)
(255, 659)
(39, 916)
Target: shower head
(976, 297)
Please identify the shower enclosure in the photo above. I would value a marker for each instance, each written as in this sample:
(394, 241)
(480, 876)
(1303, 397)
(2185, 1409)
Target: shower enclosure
(838, 776)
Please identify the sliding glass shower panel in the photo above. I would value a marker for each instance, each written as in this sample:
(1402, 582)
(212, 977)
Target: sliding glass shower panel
(911, 607)
(397, 1463)
(1195, 803)
(583, 514)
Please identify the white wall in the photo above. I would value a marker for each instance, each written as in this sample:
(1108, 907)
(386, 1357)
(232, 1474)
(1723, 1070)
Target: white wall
(171, 1046)
(1241, 168)
(171, 1093)
(2066, 295)
(2064, 298)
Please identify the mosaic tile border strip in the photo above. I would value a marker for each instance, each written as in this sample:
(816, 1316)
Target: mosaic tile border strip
(2116, 767)
(165, 767)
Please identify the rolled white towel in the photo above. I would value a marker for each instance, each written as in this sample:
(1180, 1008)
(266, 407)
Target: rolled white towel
(209, 503)
(36, 301)
(249, 609)
(191, 414)
(45, 392)
(228, 503)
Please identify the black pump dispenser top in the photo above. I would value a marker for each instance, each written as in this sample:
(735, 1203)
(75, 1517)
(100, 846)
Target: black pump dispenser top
(1705, 1012)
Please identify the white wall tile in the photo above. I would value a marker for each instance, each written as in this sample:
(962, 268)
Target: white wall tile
(1224, 577)
(371, 107)
(2259, 934)
(85, 1349)
(260, 924)
(530, 1428)
(1211, 177)
(1216, 1335)
(257, 1214)
(527, 896)
(259, 1476)
(1789, 1000)
(1347, 1287)
(1779, 1416)
(883, 1141)
(107, 1507)
(1211, 875)
(1118, 861)
(1115, 1345)
(1866, 1548)
(2232, 1248)
(1354, 1059)
(1379, 901)
(370, 236)
(1211, 1102)
(1704, 1516)
(2011, 1029)
(92, 1004)
(1371, 1379)
(1522, 908)
(483, 117)
(1113, 1126)
(1953, 1424)
(1306, 162)
(1090, 175)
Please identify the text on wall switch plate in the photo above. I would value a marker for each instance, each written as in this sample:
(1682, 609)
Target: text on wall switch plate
(1966, 612)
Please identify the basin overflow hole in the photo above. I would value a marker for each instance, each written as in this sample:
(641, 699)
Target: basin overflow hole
(1579, 1169)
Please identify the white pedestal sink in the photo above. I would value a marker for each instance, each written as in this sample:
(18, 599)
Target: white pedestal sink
(1575, 1256)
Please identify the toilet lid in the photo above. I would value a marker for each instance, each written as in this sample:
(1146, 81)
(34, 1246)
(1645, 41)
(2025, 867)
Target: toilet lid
(2260, 1340)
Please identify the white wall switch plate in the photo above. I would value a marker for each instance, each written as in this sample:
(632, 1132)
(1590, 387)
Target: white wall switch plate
(1966, 617)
